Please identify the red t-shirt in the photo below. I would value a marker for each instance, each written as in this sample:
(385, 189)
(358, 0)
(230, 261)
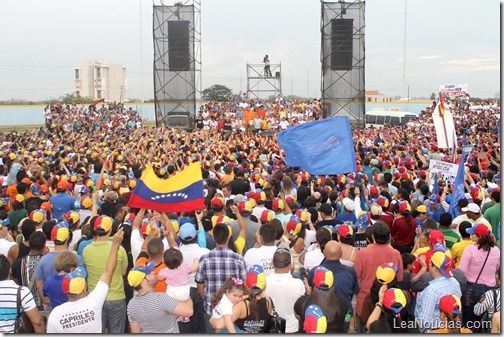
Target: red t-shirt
(403, 233)
(366, 263)
(428, 254)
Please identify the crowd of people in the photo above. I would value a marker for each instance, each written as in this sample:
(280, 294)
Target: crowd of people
(274, 249)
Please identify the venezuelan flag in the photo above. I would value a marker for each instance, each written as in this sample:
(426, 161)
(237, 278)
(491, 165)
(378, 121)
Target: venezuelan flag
(180, 193)
(441, 103)
(98, 100)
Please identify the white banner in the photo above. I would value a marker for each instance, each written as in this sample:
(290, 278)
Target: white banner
(453, 90)
(444, 126)
(447, 171)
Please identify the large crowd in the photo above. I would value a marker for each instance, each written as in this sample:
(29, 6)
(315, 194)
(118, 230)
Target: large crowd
(275, 249)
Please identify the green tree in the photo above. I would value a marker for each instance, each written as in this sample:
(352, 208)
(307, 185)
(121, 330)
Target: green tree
(72, 98)
(217, 92)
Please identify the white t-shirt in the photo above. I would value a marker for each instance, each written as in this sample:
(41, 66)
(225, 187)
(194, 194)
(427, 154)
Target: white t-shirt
(82, 316)
(76, 236)
(5, 246)
(285, 290)
(189, 252)
(262, 256)
(136, 242)
(224, 307)
(312, 259)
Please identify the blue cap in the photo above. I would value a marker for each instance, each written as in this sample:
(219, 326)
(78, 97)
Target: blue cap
(187, 232)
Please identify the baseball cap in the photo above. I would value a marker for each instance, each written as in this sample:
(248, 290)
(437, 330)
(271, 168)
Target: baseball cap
(35, 190)
(303, 215)
(323, 278)
(218, 202)
(294, 225)
(434, 199)
(349, 204)
(471, 207)
(404, 207)
(315, 321)
(37, 215)
(73, 216)
(4, 223)
(345, 231)
(145, 228)
(277, 204)
(479, 229)
(326, 209)
(74, 282)
(86, 202)
(266, 216)
(187, 232)
(421, 209)
(376, 210)
(394, 299)
(374, 192)
(362, 220)
(450, 304)
(382, 201)
(256, 278)
(439, 247)
(443, 263)
(19, 198)
(386, 272)
(138, 273)
(46, 206)
(103, 223)
(60, 233)
(245, 208)
(435, 237)
(44, 189)
(62, 185)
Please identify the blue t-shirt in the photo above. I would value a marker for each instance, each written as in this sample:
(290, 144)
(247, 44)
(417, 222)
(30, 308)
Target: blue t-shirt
(53, 289)
(45, 268)
(62, 203)
(83, 245)
(347, 218)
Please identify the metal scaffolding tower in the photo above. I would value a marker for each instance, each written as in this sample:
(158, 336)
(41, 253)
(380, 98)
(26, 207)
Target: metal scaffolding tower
(258, 85)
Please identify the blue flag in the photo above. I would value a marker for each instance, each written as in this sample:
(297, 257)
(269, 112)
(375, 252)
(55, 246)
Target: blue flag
(459, 191)
(320, 147)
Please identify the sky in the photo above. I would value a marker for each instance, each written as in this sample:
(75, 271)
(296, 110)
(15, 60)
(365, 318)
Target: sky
(447, 42)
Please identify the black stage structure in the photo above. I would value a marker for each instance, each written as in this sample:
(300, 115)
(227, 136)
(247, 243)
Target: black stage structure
(177, 61)
(343, 60)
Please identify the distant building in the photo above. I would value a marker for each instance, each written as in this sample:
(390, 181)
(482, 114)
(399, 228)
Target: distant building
(96, 79)
(376, 97)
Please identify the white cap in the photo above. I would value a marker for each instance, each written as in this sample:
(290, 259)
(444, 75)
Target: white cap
(349, 204)
(471, 207)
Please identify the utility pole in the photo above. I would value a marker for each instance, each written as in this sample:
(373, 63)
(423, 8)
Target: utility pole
(141, 58)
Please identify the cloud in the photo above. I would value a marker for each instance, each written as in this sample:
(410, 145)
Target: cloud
(473, 69)
(472, 62)
(430, 57)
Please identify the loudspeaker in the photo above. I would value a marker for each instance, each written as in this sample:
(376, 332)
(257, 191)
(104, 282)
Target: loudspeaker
(178, 46)
(341, 44)
(277, 74)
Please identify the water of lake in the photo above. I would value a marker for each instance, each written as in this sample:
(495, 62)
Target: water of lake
(34, 114)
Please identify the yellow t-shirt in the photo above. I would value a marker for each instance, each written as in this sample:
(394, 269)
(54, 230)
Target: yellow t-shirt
(458, 248)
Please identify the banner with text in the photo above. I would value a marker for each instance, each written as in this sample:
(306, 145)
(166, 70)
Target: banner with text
(447, 171)
(453, 90)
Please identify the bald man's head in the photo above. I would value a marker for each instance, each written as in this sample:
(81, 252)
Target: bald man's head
(332, 250)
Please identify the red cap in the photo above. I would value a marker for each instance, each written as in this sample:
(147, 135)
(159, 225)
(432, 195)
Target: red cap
(435, 237)
(374, 191)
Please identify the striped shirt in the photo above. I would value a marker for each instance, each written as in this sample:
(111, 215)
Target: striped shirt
(215, 268)
(8, 304)
(486, 303)
(153, 311)
(29, 264)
